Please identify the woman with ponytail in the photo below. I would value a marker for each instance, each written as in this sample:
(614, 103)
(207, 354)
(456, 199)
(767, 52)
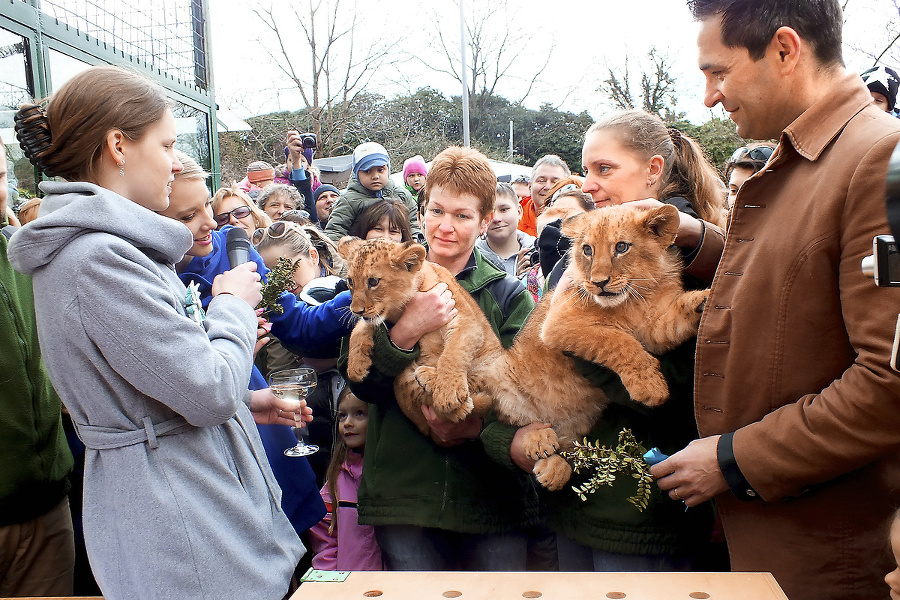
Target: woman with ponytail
(179, 501)
(632, 157)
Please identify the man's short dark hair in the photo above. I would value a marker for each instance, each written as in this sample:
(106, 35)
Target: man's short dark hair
(752, 25)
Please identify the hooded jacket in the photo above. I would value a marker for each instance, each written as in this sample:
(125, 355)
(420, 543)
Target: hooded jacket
(179, 501)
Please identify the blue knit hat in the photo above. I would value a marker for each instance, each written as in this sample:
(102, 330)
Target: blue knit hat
(368, 155)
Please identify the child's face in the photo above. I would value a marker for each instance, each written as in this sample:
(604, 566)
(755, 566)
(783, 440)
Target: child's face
(353, 420)
(893, 578)
(415, 181)
(505, 220)
(385, 229)
(375, 178)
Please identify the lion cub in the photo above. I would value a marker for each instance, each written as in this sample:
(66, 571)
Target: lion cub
(626, 300)
(383, 276)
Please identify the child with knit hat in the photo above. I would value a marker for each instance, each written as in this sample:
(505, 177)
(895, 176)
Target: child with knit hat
(260, 175)
(883, 84)
(370, 182)
(414, 173)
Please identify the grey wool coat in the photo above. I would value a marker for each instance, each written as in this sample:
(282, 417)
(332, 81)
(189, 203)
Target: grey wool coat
(179, 500)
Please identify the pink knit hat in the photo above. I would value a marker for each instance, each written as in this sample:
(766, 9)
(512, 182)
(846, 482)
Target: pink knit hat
(416, 164)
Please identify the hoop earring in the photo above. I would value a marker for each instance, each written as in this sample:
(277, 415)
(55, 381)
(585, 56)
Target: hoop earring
(122, 169)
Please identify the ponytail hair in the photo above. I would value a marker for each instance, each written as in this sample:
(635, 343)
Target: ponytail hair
(66, 138)
(686, 171)
(693, 177)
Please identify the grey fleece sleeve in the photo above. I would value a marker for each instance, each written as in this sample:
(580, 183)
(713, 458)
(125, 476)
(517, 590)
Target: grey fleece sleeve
(130, 313)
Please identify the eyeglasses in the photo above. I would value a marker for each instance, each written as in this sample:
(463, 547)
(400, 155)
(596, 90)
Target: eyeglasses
(275, 230)
(759, 153)
(238, 213)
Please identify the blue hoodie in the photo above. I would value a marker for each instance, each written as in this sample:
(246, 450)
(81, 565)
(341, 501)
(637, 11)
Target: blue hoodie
(303, 326)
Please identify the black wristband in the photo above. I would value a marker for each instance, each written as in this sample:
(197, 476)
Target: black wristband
(735, 479)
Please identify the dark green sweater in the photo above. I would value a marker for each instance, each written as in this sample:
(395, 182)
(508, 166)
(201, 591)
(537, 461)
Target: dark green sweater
(409, 480)
(607, 520)
(36, 458)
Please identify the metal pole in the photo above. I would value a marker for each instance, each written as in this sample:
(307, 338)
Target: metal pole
(510, 140)
(465, 87)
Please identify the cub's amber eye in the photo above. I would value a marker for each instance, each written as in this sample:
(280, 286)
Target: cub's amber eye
(588, 251)
(373, 281)
(622, 247)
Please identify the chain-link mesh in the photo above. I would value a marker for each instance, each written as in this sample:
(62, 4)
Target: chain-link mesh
(168, 34)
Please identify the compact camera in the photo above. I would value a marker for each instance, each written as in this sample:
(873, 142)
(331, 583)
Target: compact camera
(309, 140)
(884, 262)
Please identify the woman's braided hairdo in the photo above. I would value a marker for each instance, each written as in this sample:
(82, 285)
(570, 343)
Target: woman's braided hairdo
(33, 133)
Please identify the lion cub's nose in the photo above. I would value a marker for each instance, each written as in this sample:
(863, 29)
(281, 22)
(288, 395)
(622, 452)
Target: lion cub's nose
(601, 284)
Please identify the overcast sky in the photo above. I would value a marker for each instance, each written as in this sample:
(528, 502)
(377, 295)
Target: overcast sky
(585, 37)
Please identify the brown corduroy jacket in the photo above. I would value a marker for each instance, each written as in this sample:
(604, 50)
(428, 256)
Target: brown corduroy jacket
(793, 356)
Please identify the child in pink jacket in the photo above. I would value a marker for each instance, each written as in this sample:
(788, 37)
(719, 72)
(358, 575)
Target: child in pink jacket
(339, 542)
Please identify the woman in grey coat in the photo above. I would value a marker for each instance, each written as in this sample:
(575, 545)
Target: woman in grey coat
(179, 500)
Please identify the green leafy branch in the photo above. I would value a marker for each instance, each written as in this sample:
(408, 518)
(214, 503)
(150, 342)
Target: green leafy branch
(280, 279)
(605, 464)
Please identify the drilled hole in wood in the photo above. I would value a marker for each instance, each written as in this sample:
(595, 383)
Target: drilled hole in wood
(452, 594)
(373, 593)
(699, 595)
(531, 594)
(615, 595)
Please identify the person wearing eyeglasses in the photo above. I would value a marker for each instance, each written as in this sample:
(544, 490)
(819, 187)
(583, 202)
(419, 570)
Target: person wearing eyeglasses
(744, 162)
(231, 206)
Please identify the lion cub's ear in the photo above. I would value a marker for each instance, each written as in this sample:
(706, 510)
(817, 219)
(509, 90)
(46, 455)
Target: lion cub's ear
(663, 223)
(573, 227)
(409, 257)
(348, 245)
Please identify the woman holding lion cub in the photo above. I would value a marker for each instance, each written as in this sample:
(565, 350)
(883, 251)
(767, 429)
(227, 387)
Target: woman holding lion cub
(451, 501)
(630, 156)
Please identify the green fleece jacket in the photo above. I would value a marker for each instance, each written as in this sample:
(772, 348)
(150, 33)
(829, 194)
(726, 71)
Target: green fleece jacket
(607, 520)
(356, 198)
(407, 479)
(36, 457)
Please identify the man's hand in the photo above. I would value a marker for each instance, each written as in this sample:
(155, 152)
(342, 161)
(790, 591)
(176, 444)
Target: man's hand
(424, 313)
(692, 475)
(446, 433)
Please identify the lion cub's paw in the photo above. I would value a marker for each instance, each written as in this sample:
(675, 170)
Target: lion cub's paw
(358, 366)
(552, 472)
(424, 376)
(450, 399)
(540, 443)
(699, 300)
(649, 388)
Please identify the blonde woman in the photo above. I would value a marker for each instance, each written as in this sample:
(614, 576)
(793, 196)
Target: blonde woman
(231, 206)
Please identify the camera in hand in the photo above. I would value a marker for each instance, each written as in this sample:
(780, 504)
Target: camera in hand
(309, 140)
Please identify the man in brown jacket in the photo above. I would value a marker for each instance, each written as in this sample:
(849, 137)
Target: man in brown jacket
(793, 390)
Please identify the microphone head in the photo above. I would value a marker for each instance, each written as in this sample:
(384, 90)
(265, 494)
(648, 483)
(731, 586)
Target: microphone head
(237, 246)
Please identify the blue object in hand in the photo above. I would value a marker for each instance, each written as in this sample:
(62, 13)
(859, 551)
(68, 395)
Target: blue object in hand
(653, 456)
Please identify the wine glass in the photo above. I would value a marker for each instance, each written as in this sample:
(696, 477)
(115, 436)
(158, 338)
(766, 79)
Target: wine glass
(295, 384)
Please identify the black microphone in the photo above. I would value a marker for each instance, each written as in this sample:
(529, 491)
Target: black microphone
(237, 245)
